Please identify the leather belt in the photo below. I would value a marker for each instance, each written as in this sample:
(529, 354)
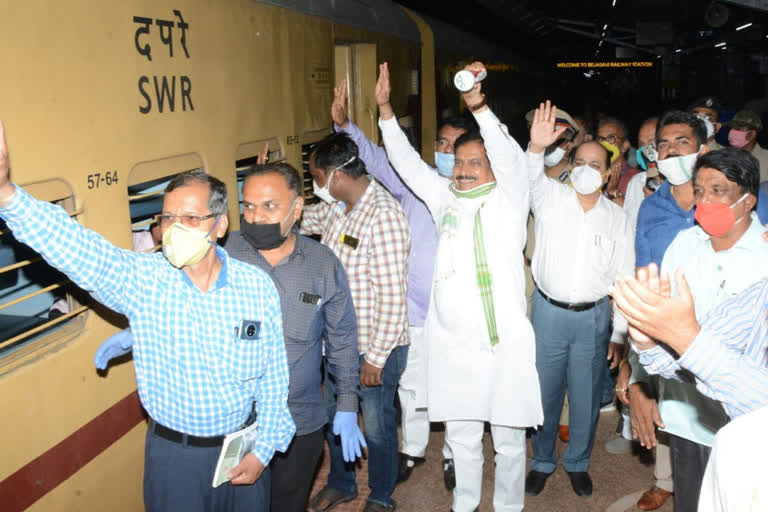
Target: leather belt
(580, 306)
(181, 438)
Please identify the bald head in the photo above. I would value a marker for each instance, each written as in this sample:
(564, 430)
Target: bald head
(593, 154)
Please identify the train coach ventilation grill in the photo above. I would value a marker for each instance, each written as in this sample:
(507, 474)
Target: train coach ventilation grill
(36, 300)
(309, 194)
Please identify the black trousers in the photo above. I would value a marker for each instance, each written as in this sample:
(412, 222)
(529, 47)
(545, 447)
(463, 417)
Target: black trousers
(689, 461)
(294, 471)
(178, 478)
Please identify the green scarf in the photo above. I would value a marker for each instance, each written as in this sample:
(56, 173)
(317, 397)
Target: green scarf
(481, 259)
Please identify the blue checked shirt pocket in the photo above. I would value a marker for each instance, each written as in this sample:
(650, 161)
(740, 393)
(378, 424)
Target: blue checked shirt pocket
(248, 355)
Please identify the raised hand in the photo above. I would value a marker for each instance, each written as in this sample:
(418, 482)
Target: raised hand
(383, 90)
(543, 132)
(339, 105)
(474, 95)
(263, 155)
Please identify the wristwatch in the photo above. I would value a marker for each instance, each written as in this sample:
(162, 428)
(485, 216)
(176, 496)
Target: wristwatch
(477, 106)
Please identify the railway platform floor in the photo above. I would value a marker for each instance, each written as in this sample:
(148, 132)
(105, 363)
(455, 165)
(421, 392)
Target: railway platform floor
(618, 480)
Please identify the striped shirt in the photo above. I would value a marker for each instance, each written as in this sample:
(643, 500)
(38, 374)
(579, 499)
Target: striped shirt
(194, 372)
(729, 357)
(372, 242)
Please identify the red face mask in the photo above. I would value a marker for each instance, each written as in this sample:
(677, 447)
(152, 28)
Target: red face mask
(716, 218)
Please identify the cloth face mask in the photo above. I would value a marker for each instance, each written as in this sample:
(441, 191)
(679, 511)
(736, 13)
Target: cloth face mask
(678, 169)
(266, 236)
(717, 218)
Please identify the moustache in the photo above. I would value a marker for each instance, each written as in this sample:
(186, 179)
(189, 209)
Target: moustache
(465, 177)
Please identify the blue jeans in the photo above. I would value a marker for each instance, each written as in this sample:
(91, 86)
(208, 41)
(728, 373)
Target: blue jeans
(570, 351)
(377, 405)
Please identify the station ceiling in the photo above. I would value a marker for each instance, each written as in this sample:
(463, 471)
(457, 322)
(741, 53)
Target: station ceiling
(627, 28)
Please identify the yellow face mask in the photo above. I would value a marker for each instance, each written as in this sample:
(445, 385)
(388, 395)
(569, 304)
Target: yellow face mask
(613, 150)
(185, 246)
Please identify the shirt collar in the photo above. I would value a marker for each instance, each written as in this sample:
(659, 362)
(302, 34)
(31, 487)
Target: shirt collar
(752, 238)
(221, 281)
(367, 195)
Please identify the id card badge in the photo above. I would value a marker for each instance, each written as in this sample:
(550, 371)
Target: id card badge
(349, 241)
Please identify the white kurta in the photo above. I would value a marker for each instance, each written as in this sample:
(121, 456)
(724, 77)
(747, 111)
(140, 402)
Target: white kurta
(467, 380)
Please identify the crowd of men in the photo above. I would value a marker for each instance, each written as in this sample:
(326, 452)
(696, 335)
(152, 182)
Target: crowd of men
(417, 289)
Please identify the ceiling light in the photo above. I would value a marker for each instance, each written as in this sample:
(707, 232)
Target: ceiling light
(678, 50)
(606, 26)
(746, 25)
(718, 45)
(613, 4)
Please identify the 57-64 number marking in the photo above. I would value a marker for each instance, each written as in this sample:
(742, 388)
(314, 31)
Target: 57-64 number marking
(97, 179)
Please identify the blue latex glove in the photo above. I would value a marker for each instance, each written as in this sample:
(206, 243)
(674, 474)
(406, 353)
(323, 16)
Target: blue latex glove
(345, 425)
(115, 346)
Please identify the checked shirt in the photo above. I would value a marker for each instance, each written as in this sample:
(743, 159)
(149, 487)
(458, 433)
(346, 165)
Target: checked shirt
(195, 374)
(372, 242)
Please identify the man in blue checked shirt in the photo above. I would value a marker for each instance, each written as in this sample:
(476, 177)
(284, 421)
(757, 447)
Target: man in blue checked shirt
(208, 346)
(317, 314)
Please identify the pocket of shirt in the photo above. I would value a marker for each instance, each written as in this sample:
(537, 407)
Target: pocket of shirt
(603, 249)
(249, 357)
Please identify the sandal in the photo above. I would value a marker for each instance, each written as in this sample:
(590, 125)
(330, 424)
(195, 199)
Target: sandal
(332, 496)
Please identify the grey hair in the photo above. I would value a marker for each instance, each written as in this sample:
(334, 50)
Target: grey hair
(217, 201)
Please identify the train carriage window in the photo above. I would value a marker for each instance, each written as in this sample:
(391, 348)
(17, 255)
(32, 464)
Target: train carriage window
(146, 184)
(36, 300)
(247, 156)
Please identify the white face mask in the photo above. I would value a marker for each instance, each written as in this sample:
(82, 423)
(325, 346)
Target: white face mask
(554, 157)
(183, 245)
(324, 193)
(678, 169)
(586, 180)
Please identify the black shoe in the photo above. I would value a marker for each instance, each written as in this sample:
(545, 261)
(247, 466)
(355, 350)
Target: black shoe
(535, 482)
(449, 474)
(581, 483)
(405, 464)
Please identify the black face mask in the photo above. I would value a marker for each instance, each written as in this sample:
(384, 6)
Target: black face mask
(262, 236)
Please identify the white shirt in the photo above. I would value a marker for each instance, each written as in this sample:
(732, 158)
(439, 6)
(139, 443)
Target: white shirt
(634, 197)
(579, 254)
(736, 479)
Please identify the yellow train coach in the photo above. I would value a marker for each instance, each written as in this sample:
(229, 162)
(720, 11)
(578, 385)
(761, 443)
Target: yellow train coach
(103, 103)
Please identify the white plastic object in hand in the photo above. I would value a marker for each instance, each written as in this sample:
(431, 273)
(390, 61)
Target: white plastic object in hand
(464, 80)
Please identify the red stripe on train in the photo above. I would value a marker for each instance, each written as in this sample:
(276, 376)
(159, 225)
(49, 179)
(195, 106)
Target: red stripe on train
(33, 481)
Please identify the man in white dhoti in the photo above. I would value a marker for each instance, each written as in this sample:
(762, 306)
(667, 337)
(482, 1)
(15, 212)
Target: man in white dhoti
(481, 354)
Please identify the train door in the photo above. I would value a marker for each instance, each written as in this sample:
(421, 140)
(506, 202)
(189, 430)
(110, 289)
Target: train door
(357, 63)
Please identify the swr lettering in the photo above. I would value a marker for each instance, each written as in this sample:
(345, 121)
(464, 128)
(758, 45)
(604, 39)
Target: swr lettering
(164, 93)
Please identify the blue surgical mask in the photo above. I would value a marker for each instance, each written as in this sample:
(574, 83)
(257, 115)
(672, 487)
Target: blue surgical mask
(641, 159)
(444, 163)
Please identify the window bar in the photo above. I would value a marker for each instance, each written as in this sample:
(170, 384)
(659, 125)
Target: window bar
(20, 264)
(33, 294)
(44, 326)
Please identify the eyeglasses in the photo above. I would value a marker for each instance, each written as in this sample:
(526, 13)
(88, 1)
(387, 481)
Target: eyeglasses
(191, 221)
(610, 139)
